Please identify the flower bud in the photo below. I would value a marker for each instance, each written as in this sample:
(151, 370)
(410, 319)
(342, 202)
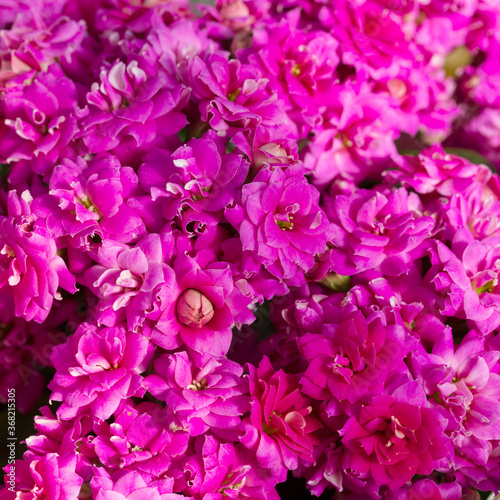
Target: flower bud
(194, 309)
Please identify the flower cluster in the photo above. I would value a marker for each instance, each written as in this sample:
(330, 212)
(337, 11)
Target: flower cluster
(245, 241)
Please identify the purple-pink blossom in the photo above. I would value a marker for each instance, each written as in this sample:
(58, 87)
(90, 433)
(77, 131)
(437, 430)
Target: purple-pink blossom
(98, 368)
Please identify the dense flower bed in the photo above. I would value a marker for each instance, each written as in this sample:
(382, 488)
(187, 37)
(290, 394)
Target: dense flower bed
(250, 240)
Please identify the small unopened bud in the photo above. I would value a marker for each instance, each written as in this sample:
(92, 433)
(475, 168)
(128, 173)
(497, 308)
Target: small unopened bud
(194, 309)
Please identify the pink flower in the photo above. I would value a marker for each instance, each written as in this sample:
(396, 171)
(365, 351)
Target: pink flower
(36, 43)
(435, 171)
(373, 229)
(30, 269)
(199, 176)
(280, 223)
(300, 66)
(128, 280)
(212, 396)
(130, 108)
(231, 95)
(393, 438)
(89, 200)
(96, 369)
(280, 426)
(38, 117)
(51, 476)
(129, 486)
(224, 470)
(195, 309)
(372, 38)
(141, 438)
(463, 387)
(354, 141)
(353, 358)
(465, 279)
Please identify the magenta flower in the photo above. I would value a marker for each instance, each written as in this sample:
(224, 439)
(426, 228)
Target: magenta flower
(435, 171)
(51, 476)
(353, 358)
(300, 66)
(38, 112)
(213, 396)
(465, 279)
(25, 348)
(477, 208)
(62, 437)
(34, 44)
(373, 229)
(128, 280)
(280, 426)
(130, 107)
(196, 309)
(231, 95)
(224, 470)
(30, 269)
(96, 369)
(463, 387)
(371, 38)
(268, 147)
(280, 223)
(140, 439)
(89, 200)
(200, 175)
(129, 486)
(393, 438)
(354, 142)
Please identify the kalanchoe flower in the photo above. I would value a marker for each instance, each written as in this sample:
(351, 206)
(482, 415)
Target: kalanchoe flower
(196, 308)
(372, 38)
(51, 476)
(141, 438)
(280, 426)
(352, 359)
(38, 111)
(128, 280)
(393, 438)
(35, 45)
(280, 223)
(478, 208)
(374, 229)
(300, 66)
(130, 108)
(225, 470)
(212, 396)
(465, 279)
(87, 201)
(30, 269)
(430, 488)
(463, 386)
(62, 437)
(97, 368)
(25, 347)
(434, 171)
(200, 175)
(129, 486)
(354, 141)
(268, 147)
(232, 95)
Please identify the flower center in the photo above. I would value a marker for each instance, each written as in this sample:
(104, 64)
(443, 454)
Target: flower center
(295, 71)
(487, 287)
(86, 202)
(285, 225)
(234, 95)
(197, 386)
